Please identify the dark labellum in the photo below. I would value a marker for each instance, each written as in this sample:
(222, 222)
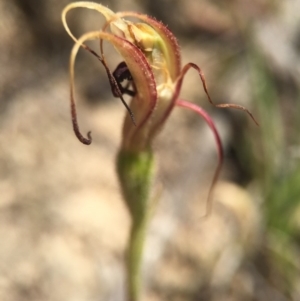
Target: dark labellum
(121, 74)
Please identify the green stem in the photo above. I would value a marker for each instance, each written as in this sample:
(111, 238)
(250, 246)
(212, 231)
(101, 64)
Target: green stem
(134, 259)
(135, 172)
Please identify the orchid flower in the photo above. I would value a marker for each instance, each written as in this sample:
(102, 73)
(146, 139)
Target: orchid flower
(151, 66)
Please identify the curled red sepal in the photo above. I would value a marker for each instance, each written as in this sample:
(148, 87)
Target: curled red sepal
(113, 84)
(209, 121)
(86, 141)
(225, 105)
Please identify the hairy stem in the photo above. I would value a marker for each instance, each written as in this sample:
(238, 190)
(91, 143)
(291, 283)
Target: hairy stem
(135, 171)
(134, 258)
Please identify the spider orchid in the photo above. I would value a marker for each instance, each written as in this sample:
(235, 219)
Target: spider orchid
(151, 67)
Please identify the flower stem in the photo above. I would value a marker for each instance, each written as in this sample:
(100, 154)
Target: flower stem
(135, 170)
(134, 259)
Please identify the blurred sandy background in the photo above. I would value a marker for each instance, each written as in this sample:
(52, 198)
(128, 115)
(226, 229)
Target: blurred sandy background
(63, 225)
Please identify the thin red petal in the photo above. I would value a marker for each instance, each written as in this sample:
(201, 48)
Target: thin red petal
(209, 121)
(200, 73)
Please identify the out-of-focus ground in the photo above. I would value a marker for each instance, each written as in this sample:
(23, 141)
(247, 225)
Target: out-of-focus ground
(63, 225)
